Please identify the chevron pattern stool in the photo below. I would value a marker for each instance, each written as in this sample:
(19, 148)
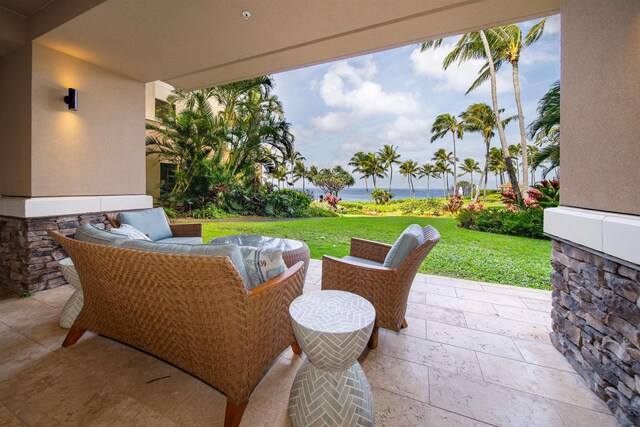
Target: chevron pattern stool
(331, 389)
(76, 301)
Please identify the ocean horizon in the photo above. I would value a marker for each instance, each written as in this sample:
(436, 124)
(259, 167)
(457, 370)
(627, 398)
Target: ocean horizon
(362, 195)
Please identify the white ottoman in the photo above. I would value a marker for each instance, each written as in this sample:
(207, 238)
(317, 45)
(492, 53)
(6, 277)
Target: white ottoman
(76, 301)
(331, 389)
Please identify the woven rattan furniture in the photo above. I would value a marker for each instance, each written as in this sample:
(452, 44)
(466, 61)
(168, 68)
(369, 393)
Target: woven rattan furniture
(178, 230)
(387, 289)
(293, 251)
(192, 311)
(331, 389)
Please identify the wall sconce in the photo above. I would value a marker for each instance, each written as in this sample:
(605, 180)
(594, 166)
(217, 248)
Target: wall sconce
(72, 99)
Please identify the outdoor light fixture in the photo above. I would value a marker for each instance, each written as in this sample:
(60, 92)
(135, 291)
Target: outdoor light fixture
(72, 99)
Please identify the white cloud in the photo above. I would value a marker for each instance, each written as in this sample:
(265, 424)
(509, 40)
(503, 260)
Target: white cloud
(350, 90)
(410, 133)
(333, 121)
(552, 26)
(457, 78)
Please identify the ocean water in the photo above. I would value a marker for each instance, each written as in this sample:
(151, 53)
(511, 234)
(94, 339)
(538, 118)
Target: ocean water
(361, 194)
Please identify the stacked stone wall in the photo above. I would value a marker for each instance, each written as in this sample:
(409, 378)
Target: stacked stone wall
(596, 324)
(29, 257)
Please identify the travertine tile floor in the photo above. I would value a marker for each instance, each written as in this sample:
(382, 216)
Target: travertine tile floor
(474, 354)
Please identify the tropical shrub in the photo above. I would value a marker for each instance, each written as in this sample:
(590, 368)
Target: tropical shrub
(286, 204)
(320, 209)
(454, 204)
(420, 207)
(170, 213)
(263, 201)
(381, 196)
(332, 200)
(210, 211)
(545, 194)
(525, 223)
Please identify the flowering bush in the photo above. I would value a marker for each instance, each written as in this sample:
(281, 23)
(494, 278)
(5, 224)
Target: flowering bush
(478, 206)
(545, 194)
(332, 200)
(454, 204)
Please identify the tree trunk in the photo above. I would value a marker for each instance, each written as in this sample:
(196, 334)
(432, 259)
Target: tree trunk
(496, 110)
(455, 164)
(487, 143)
(303, 189)
(390, 176)
(523, 138)
(428, 192)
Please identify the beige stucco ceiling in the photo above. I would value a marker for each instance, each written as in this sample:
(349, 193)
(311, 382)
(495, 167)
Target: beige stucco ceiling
(198, 43)
(25, 8)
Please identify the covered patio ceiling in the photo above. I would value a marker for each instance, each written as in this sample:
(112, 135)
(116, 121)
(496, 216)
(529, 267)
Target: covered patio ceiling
(198, 43)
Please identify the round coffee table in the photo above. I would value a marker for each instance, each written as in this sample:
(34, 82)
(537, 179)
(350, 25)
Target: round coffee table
(293, 251)
(331, 389)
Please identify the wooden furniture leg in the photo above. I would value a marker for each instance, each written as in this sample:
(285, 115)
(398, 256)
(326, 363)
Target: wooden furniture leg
(296, 348)
(73, 336)
(233, 414)
(404, 324)
(373, 341)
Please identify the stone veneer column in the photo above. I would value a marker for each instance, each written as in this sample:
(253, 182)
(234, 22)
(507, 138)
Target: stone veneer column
(596, 321)
(29, 257)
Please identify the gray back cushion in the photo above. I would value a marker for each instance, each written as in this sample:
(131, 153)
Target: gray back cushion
(91, 234)
(151, 222)
(409, 240)
(231, 251)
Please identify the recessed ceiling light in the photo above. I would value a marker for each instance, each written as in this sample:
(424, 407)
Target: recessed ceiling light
(246, 14)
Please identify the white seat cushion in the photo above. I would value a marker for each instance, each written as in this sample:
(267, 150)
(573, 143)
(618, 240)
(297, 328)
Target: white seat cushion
(350, 258)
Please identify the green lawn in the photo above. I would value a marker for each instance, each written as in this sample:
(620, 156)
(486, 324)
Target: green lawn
(461, 253)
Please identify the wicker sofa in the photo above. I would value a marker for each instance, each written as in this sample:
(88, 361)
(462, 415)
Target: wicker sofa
(363, 273)
(192, 311)
(190, 234)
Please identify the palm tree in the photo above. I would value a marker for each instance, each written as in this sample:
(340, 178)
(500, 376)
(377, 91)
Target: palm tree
(299, 172)
(294, 157)
(410, 169)
(496, 164)
(428, 171)
(358, 161)
(507, 43)
(443, 160)
(469, 166)
(388, 155)
(513, 152)
(373, 168)
(533, 151)
(546, 129)
(482, 119)
(475, 45)
(444, 124)
(280, 174)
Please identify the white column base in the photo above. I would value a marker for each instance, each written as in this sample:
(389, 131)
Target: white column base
(613, 234)
(24, 207)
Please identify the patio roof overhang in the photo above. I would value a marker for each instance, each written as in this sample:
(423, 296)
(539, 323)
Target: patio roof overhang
(202, 43)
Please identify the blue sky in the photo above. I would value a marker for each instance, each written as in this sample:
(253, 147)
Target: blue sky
(392, 97)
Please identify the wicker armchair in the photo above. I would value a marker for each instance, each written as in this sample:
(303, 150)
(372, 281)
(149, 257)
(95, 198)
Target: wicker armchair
(387, 289)
(178, 230)
(192, 311)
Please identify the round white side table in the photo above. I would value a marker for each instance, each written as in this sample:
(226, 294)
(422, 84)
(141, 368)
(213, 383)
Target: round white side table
(76, 301)
(331, 389)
